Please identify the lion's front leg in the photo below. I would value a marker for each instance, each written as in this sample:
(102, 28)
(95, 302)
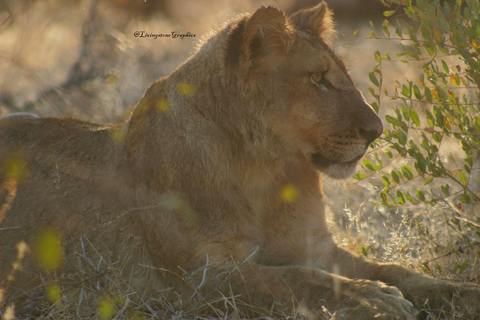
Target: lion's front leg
(426, 293)
(309, 291)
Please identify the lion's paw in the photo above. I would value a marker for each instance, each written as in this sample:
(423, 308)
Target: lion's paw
(375, 300)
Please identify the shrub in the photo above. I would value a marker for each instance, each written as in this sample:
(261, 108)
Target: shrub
(429, 153)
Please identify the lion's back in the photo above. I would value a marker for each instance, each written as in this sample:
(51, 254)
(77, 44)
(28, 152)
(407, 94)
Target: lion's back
(36, 133)
(56, 153)
(57, 142)
(56, 173)
(72, 179)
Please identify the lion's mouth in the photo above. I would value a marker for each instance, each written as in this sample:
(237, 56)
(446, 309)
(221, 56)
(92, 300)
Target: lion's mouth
(321, 162)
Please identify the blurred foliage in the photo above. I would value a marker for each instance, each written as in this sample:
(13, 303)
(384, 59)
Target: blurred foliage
(54, 293)
(48, 249)
(15, 167)
(289, 194)
(106, 308)
(429, 154)
(186, 89)
(438, 108)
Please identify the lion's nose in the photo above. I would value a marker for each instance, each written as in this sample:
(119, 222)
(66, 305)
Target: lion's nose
(369, 135)
(372, 130)
(363, 121)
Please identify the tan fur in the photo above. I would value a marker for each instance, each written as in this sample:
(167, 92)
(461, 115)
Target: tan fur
(217, 174)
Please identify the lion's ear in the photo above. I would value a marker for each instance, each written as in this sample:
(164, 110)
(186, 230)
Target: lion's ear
(256, 44)
(317, 19)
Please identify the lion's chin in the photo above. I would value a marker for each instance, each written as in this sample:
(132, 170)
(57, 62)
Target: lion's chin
(335, 169)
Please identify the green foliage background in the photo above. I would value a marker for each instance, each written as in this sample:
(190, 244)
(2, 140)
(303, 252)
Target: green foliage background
(441, 106)
(434, 112)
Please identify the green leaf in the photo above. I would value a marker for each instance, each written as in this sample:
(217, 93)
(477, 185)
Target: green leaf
(369, 165)
(465, 198)
(364, 251)
(395, 176)
(407, 172)
(416, 92)
(421, 78)
(463, 178)
(439, 117)
(430, 119)
(378, 58)
(401, 135)
(409, 198)
(426, 32)
(428, 95)
(394, 121)
(420, 164)
(445, 66)
(384, 197)
(405, 113)
(360, 176)
(388, 153)
(431, 49)
(410, 11)
(428, 181)
(372, 34)
(398, 30)
(401, 197)
(373, 79)
(468, 168)
(385, 180)
(445, 189)
(388, 13)
(406, 91)
(411, 33)
(379, 161)
(420, 195)
(385, 28)
(415, 118)
(437, 137)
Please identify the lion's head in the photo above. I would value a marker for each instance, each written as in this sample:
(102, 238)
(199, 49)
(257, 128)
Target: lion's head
(312, 104)
(274, 91)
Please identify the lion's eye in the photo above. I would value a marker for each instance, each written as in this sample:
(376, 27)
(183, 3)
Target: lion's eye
(319, 79)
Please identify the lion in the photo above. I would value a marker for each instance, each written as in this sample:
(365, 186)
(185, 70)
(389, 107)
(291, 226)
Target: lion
(216, 175)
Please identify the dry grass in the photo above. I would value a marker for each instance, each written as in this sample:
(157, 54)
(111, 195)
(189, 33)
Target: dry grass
(63, 58)
(101, 292)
